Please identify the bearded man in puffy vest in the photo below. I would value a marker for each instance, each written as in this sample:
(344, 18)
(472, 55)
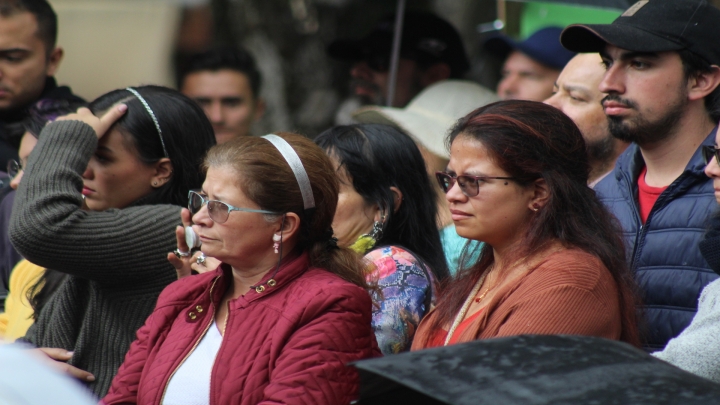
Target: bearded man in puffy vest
(661, 82)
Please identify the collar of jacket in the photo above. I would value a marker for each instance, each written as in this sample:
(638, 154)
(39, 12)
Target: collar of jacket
(18, 114)
(291, 267)
(631, 163)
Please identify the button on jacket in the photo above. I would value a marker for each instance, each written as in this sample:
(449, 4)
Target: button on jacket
(286, 344)
(664, 252)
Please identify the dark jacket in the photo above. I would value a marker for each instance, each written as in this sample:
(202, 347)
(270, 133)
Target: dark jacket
(287, 344)
(11, 130)
(9, 257)
(664, 253)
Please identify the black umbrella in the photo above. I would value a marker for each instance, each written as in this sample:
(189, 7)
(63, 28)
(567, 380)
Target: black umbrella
(531, 369)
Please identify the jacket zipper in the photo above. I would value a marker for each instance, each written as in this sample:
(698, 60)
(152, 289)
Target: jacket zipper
(212, 318)
(638, 234)
(642, 229)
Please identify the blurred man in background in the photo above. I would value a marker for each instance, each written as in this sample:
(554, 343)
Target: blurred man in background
(531, 66)
(226, 84)
(28, 60)
(578, 96)
(431, 51)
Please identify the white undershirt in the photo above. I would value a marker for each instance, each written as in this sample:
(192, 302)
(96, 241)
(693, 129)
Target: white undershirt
(190, 385)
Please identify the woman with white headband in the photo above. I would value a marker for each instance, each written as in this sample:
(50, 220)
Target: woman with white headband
(132, 168)
(283, 314)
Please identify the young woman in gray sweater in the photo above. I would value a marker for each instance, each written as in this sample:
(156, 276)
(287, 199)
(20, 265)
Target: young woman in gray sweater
(131, 168)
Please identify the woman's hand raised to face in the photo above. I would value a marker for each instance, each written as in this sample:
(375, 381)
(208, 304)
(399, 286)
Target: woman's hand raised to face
(184, 265)
(205, 264)
(100, 124)
(182, 261)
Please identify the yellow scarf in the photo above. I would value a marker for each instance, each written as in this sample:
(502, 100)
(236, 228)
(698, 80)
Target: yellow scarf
(363, 244)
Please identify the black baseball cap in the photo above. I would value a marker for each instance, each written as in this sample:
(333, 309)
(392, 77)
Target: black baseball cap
(653, 26)
(426, 38)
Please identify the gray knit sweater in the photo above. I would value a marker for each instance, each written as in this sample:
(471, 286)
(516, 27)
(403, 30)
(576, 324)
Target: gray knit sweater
(116, 259)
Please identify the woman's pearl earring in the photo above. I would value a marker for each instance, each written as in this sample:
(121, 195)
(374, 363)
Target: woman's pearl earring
(277, 239)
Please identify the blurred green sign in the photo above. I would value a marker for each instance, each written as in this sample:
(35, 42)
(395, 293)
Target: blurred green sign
(536, 15)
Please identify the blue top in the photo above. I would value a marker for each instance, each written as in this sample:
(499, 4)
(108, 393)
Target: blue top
(453, 245)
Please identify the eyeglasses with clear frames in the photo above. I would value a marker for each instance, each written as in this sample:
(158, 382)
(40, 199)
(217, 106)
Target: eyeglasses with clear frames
(470, 185)
(217, 210)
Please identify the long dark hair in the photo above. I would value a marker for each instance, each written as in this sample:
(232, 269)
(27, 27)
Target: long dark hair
(266, 178)
(187, 135)
(378, 157)
(186, 131)
(530, 141)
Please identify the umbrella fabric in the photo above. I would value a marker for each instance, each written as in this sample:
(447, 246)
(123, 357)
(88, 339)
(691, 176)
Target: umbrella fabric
(529, 370)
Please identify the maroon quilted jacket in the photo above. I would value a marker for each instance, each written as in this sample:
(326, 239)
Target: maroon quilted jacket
(286, 345)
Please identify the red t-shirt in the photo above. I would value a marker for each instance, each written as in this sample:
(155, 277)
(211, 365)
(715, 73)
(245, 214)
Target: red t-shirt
(440, 336)
(647, 195)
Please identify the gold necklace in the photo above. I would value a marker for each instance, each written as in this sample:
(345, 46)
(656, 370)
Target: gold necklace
(480, 298)
(466, 305)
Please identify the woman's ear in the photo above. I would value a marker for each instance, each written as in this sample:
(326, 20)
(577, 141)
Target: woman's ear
(381, 213)
(397, 198)
(290, 226)
(540, 194)
(163, 172)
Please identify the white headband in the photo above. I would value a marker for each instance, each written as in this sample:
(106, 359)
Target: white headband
(297, 167)
(152, 114)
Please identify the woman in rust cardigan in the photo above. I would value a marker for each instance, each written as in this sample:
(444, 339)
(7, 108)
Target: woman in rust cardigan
(553, 261)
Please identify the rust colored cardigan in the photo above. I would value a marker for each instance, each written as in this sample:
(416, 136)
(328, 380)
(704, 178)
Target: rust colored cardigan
(570, 292)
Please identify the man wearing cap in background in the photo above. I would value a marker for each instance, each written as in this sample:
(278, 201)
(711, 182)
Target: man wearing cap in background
(427, 119)
(577, 95)
(662, 80)
(431, 51)
(531, 66)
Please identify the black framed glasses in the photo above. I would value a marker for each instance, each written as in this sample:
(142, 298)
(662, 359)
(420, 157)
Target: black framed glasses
(218, 210)
(13, 168)
(470, 185)
(708, 153)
